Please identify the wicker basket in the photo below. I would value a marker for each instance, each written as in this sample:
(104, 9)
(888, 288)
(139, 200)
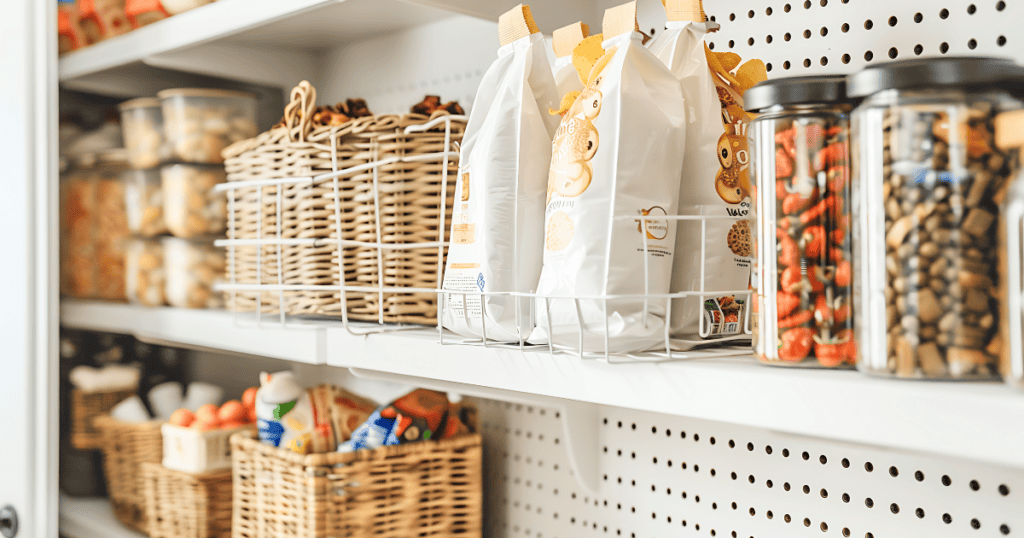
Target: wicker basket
(430, 488)
(125, 448)
(85, 407)
(409, 201)
(183, 505)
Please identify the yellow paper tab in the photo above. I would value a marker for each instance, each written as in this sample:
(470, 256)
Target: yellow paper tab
(516, 24)
(684, 10)
(620, 20)
(566, 38)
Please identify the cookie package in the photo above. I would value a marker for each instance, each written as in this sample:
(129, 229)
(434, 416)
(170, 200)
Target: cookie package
(715, 181)
(497, 223)
(615, 169)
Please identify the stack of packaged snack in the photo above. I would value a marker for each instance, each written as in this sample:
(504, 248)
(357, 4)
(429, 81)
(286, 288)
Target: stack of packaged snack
(81, 23)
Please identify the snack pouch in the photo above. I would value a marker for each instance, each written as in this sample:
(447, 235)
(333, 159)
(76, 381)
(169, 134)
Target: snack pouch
(615, 170)
(715, 181)
(498, 216)
(564, 41)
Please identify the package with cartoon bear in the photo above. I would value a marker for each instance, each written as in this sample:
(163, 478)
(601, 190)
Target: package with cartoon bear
(715, 182)
(497, 219)
(615, 169)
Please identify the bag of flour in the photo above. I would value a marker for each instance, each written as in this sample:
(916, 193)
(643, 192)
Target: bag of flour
(615, 170)
(715, 180)
(497, 222)
(564, 41)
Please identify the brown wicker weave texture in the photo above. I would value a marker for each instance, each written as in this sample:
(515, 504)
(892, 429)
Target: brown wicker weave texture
(183, 505)
(85, 407)
(125, 448)
(409, 201)
(430, 488)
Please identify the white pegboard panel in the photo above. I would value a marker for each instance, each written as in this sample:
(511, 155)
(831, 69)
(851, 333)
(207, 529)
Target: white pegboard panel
(668, 476)
(802, 37)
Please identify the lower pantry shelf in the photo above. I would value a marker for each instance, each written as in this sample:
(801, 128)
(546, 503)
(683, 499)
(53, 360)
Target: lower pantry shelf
(973, 421)
(90, 517)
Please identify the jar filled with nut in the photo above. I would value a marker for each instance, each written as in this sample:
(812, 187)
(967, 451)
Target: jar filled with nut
(191, 207)
(928, 183)
(1010, 138)
(200, 123)
(191, 269)
(143, 126)
(144, 272)
(144, 202)
(799, 151)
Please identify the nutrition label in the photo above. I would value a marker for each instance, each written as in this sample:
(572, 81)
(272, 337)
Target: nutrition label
(469, 281)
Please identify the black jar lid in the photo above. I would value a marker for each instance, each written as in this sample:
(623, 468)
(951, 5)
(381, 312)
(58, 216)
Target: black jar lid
(954, 72)
(790, 91)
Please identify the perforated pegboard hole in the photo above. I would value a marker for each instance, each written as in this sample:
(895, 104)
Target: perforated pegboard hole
(869, 503)
(975, 485)
(1005, 529)
(920, 513)
(946, 480)
(1004, 490)
(894, 508)
(868, 466)
(975, 524)
(846, 497)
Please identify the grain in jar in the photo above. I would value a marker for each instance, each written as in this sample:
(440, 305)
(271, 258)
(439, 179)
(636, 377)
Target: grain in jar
(191, 207)
(143, 126)
(144, 272)
(799, 151)
(928, 183)
(200, 123)
(1010, 138)
(192, 267)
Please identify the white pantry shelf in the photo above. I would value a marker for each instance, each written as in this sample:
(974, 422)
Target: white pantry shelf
(974, 421)
(91, 517)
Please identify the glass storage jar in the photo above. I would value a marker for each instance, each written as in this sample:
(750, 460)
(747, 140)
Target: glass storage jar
(143, 125)
(200, 123)
(927, 182)
(799, 150)
(1010, 138)
(144, 202)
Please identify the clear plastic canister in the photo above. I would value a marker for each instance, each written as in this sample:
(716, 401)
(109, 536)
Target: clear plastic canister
(143, 126)
(928, 184)
(144, 202)
(200, 123)
(144, 272)
(799, 151)
(192, 268)
(191, 207)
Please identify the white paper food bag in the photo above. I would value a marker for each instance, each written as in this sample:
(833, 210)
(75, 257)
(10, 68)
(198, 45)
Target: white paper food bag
(564, 41)
(497, 221)
(716, 156)
(616, 166)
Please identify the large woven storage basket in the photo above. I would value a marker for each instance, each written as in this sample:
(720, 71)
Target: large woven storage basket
(429, 488)
(183, 505)
(85, 407)
(410, 195)
(125, 448)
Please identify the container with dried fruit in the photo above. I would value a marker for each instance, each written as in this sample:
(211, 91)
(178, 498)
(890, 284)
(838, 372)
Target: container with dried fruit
(144, 272)
(200, 123)
(144, 202)
(111, 224)
(1010, 138)
(928, 182)
(800, 160)
(143, 126)
(191, 208)
(191, 269)
(77, 234)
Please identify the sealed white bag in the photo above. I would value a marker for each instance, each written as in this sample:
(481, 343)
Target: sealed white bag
(715, 182)
(497, 221)
(615, 169)
(564, 41)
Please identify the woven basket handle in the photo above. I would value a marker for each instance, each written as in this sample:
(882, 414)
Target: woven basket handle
(298, 114)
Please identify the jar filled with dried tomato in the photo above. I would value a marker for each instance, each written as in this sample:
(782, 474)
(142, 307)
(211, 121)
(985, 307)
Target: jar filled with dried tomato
(799, 154)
